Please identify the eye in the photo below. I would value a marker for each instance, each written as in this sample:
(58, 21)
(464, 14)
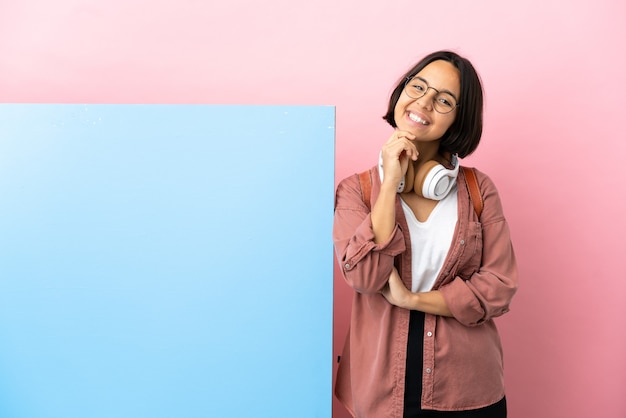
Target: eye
(416, 88)
(443, 101)
(446, 101)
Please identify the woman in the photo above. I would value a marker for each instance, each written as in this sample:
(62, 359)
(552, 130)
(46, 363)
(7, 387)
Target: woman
(429, 274)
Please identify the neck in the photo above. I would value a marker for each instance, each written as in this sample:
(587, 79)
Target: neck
(430, 151)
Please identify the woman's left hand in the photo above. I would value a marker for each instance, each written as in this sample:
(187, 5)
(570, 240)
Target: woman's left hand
(396, 292)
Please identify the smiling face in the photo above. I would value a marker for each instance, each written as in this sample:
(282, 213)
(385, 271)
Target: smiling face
(419, 116)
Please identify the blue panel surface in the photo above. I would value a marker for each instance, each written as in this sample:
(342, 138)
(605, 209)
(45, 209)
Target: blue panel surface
(165, 261)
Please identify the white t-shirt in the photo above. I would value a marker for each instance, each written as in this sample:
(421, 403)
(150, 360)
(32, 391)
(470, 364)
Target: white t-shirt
(431, 240)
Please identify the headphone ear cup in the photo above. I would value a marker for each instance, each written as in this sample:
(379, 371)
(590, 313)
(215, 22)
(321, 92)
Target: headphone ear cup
(421, 178)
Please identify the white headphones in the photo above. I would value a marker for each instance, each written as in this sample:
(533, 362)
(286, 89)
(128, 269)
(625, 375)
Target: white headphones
(432, 180)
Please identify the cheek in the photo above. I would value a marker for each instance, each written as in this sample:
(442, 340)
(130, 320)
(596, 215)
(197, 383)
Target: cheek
(397, 114)
(447, 123)
(398, 110)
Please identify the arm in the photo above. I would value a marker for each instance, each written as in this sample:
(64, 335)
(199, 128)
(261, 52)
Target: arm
(396, 154)
(366, 243)
(365, 264)
(397, 294)
(486, 292)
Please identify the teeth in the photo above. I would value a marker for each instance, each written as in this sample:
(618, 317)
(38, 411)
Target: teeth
(417, 119)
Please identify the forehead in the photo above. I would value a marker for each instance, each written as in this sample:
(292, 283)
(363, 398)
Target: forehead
(442, 75)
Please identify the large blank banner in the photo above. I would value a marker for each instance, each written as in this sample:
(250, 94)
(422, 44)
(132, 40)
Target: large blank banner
(165, 261)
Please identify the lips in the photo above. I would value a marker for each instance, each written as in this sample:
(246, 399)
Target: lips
(415, 118)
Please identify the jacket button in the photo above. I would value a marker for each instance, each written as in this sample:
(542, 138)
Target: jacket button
(430, 334)
(462, 242)
(429, 370)
(346, 266)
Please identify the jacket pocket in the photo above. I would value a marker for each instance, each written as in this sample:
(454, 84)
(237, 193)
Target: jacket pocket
(471, 251)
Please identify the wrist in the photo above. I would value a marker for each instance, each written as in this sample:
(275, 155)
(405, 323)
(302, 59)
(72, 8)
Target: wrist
(411, 301)
(389, 186)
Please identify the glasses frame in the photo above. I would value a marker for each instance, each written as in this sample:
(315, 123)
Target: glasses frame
(406, 83)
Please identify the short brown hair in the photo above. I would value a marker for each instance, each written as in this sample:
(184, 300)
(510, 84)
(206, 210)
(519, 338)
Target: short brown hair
(464, 135)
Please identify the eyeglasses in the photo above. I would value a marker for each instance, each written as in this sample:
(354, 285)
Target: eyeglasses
(444, 102)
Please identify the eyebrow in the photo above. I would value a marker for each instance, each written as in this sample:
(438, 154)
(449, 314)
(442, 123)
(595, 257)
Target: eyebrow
(438, 91)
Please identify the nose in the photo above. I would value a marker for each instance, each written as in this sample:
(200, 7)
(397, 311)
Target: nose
(427, 100)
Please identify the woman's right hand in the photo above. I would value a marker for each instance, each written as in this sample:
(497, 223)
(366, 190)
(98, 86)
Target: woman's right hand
(396, 154)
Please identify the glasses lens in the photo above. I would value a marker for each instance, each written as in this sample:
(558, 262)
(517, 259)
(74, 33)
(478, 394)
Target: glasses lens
(415, 88)
(444, 103)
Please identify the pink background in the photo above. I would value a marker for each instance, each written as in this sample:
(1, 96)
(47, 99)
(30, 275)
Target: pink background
(554, 138)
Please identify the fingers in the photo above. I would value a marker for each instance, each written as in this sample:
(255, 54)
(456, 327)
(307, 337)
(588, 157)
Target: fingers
(396, 154)
(399, 145)
(395, 292)
(398, 133)
(394, 276)
(385, 290)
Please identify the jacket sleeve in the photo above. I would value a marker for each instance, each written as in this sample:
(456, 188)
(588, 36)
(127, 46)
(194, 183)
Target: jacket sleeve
(365, 265)
(488, 292)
